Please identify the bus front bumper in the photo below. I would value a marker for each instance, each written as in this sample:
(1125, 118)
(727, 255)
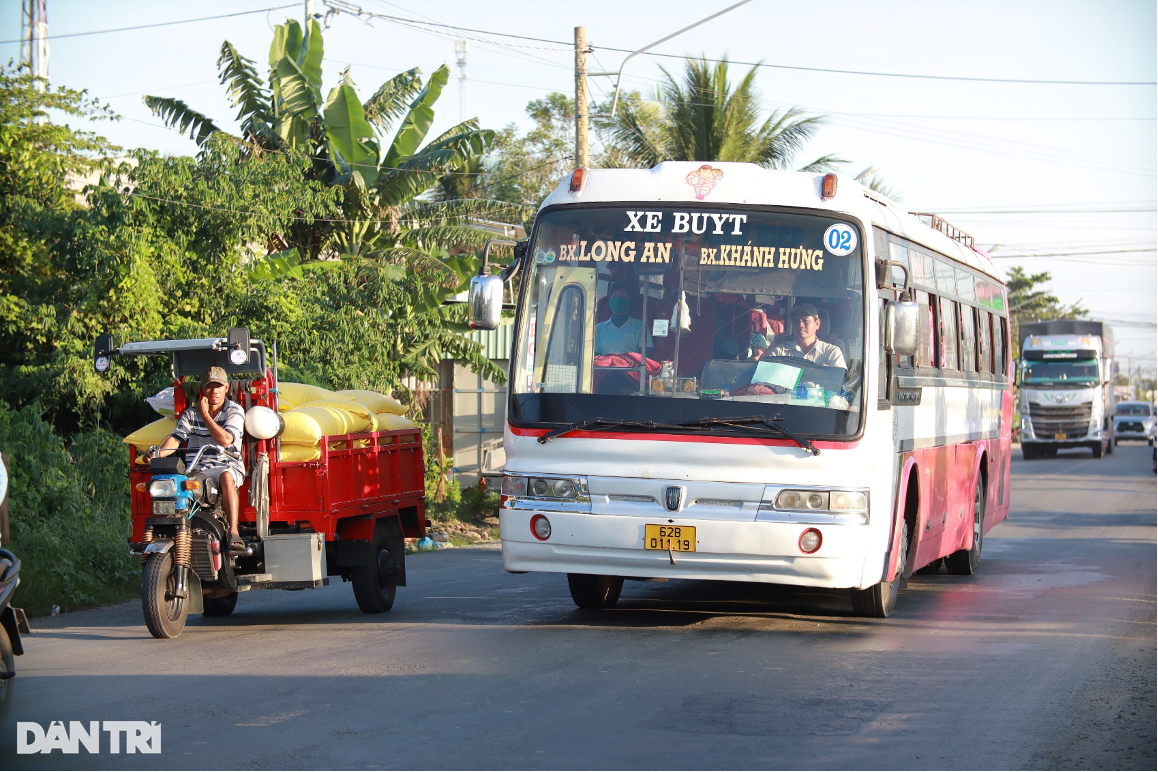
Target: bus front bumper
(726, 550)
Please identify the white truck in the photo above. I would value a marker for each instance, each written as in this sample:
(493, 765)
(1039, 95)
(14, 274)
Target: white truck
(1067, 392)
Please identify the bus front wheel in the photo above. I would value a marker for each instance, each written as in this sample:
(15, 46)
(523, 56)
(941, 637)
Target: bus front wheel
(880, 599)
(593, 591)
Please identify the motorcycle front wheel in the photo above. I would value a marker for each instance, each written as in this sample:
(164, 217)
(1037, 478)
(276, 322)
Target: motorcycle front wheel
(165, 614)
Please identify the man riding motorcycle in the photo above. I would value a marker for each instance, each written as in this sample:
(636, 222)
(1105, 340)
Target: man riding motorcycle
(215, 420)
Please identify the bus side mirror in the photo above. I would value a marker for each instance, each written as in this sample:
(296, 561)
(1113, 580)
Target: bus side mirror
(902, 327)
(485, 302)
(101, 350)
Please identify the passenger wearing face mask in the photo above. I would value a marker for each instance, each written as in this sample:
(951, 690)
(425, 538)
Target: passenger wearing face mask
(622, 332)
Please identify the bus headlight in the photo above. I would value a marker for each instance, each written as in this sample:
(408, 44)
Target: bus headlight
(847, 506)
(545, 491)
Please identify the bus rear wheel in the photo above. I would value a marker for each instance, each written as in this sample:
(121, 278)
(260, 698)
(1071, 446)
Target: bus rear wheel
(967, 562)
(880, 599)
(594, 591)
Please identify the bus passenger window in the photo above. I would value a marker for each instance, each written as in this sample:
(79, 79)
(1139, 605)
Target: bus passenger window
(947, 315)
(1000, 346)
(925, 347)
(985, 341)
(968, 339)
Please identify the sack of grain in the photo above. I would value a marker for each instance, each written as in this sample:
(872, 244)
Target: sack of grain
(357, 408)
(296, 454)
(333, 420)
(378, 403)
(300, 429)
(153, 434)
(388, 422)
(298, 394)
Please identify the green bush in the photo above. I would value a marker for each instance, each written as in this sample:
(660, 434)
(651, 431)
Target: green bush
(69, 509)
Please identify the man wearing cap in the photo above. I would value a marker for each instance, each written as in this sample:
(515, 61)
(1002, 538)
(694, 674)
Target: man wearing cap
(804, 323)
(214, 420)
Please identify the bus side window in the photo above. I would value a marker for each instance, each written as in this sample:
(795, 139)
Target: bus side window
(947, 315)
(1001, 347)
(985, 341)
(925, 347)
(968, 338)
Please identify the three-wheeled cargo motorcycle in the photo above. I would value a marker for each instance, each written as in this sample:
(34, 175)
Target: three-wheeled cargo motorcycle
(345, 513)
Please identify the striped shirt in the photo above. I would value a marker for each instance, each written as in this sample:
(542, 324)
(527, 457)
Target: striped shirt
(193, 431)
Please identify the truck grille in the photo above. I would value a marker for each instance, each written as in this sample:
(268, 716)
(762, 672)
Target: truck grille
(1072, 420)
(1130, 426)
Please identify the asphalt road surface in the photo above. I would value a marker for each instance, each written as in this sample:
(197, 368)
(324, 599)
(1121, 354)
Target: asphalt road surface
(1046, 659)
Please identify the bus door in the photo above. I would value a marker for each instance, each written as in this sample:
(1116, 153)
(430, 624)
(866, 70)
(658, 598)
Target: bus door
(569, 337)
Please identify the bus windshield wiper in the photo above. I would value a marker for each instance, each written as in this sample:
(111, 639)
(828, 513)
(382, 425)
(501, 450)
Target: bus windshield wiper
(775, 424)
(606, 423)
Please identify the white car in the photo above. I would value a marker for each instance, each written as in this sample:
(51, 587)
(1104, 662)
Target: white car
(1134, 421)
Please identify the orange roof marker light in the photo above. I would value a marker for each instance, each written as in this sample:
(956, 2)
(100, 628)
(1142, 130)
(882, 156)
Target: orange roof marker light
(828, 187)
(578, 180)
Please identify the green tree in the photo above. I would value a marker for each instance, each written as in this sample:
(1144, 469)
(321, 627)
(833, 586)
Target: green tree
(382, 217)
(1031, 302)
(704, 118)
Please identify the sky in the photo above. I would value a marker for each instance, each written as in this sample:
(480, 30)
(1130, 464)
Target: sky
(1030, 124)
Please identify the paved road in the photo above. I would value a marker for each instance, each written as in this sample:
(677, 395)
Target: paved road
(1044, 660)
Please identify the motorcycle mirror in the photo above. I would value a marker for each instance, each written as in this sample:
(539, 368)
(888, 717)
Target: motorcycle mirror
(237, 343)
(102, 348)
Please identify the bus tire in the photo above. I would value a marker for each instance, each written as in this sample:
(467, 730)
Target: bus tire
(967, 562)
(880, 599)
(1098, 449)
(594, 591)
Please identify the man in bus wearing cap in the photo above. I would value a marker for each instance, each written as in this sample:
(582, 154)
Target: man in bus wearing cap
(214, 420)
(804, 324)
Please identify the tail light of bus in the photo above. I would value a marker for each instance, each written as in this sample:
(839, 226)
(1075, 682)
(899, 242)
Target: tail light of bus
(541, 527)
(810, 541)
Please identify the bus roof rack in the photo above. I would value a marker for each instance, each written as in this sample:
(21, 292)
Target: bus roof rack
(946, 227)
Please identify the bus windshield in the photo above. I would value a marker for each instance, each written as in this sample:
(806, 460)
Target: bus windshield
(676, 313)
(1081, 372)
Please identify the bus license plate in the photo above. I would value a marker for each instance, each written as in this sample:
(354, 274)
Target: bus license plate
(677, 538)
(1059, 436)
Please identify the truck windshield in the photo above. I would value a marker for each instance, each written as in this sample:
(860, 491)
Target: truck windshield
(1081, 372)
(670, 314)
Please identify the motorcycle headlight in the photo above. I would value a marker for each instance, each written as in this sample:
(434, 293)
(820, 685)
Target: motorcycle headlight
(165, 488)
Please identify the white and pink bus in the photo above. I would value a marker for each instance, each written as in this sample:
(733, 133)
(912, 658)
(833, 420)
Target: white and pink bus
(725, 372)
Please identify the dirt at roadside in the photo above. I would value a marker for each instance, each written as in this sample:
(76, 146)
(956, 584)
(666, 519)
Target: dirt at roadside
(1111, 719)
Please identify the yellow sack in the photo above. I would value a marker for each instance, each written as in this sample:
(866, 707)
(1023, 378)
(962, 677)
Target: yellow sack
(356, 408)
(296, 454)
(153, 434)
(334, 421)
(388, 422)
(378, 403)
(346, 444)
(300, 429)
(298, 394)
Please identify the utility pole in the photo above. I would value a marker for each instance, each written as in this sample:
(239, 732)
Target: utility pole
(460, 50)
(581, 159)
(34, 38)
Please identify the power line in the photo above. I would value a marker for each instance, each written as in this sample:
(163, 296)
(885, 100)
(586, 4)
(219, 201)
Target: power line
(160, 24)
(570, 47)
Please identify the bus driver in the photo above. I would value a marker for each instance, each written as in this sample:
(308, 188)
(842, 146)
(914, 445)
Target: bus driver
(804, 321)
